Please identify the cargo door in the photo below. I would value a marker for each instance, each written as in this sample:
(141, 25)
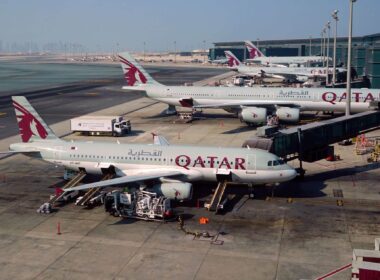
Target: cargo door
(251, 164)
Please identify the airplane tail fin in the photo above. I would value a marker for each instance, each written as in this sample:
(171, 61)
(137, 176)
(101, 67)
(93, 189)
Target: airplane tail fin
(253, 50)
(31, 125)
(133, 72)
(233, 61)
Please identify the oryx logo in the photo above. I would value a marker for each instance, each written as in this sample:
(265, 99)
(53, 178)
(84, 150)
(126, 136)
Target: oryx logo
(28, 124)
(252, 51)
(131, 73)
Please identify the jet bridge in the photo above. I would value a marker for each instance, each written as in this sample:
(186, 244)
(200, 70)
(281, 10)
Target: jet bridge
(311, 142)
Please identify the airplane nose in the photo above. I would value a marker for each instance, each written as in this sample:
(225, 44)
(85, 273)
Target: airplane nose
(289, 174)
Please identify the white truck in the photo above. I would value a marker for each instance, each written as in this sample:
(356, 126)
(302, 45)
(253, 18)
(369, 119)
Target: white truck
(101, 125)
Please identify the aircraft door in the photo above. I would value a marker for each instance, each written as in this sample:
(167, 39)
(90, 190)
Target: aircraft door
(251, 163)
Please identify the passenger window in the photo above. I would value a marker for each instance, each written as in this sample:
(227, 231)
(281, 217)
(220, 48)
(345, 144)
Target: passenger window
(275, 163)
(270, 163)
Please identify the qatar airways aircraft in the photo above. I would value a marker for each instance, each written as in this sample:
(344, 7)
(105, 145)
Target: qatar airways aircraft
(168, 168)
(301, 74)
(256, 56)
(251, 104)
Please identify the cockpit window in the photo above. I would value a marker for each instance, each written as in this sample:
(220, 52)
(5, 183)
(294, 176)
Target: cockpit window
(276, 162)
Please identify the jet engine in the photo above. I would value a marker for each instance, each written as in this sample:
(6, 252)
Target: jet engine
(253, 115)
(288, 114)
(173, 190)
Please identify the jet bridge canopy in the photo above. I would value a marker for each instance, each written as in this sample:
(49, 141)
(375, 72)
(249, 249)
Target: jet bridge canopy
(313, 140)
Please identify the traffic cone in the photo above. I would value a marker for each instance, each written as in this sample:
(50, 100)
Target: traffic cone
(59, 228)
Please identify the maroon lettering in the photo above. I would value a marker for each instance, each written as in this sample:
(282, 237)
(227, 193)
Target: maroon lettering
(369, 97)
(239, 163)
(343, 96)
(199, 161)
(212, 161)
(225, 162)
(357, 96)
(329, 97)
(183, 161)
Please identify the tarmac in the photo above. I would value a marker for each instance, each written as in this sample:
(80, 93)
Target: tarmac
(293, 231)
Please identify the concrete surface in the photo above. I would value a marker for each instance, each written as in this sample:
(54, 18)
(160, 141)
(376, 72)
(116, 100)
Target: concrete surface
(262, 238)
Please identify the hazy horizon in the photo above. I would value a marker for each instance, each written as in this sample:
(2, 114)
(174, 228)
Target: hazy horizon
(109, 26)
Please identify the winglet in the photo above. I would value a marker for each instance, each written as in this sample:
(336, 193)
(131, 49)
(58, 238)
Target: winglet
(160, 140)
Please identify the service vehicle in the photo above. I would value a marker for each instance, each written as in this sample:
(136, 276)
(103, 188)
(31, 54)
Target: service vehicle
(101, 125)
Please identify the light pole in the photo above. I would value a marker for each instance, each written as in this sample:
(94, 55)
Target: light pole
(175, 51)
(335, 17)
(144, 50)
(327, 52)
(204, 50)
(310, 45)
(348, 88)
(324, 46)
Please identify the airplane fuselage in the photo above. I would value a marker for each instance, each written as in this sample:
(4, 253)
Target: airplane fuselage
(306, 99)
(297, 71)
(196, 163)
(285, 59)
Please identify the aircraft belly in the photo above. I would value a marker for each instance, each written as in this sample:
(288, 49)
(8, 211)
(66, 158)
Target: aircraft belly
(261, 176)
(356, 107)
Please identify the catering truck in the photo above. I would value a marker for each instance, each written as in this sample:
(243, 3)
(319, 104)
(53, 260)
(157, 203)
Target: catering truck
(101, 125)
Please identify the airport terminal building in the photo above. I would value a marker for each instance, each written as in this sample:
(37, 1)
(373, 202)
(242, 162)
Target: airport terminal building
(365, 54)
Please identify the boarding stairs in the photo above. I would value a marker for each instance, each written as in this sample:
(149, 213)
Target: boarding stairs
(217, 197)
(72, 183)
(84, 201)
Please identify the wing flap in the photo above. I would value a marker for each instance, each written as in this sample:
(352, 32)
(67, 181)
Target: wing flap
(19, 152)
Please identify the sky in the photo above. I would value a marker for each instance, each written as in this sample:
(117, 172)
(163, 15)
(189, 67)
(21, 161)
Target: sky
(109, 25)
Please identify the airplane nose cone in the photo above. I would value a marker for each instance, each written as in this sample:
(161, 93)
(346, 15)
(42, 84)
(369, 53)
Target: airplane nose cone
(288, 174)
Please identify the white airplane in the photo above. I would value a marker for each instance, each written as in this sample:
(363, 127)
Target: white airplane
(219, 61)
(251, 104)
(256, 56)
(301, 74)
(167, 168)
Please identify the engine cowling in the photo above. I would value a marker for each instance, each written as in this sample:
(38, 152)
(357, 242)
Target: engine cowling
(302, 78)
(253, 115)
(288, 114)
(174, 190)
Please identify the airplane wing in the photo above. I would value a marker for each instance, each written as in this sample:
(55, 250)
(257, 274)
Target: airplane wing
(246, 103)
(20, 152)
(152, 174)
